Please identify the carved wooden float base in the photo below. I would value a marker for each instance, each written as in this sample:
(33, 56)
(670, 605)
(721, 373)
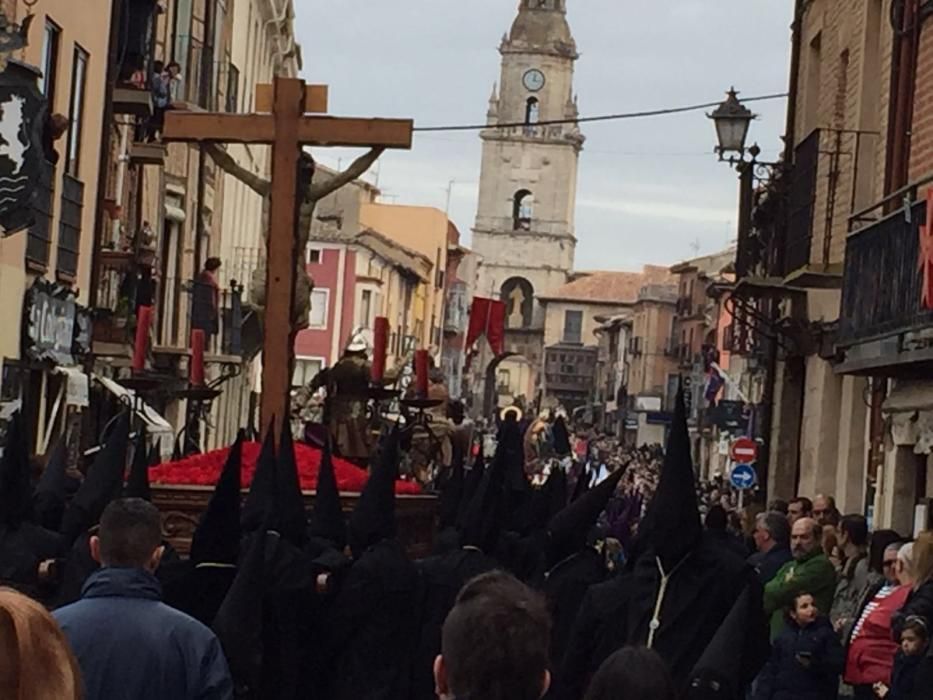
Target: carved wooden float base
(181, 508)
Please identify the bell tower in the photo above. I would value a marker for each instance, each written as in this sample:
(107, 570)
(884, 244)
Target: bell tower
(524, 227)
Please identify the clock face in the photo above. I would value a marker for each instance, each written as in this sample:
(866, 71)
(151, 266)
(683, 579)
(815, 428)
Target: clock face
(533, 80)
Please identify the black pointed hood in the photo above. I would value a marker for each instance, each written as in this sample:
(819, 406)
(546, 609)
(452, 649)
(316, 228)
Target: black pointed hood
(290, 517)
(548, 500)
(217, 537)
(568, 530)
(582, 484)
(261, 495)
(373, 519)
(471, 482)
(735, 654)
(483, 519)
(451, 494)
(239, 621)
(671, 527)
(52, 490)
(327, 520)
(103, 483)
(137, 484)
(15, 479)
(561, 436)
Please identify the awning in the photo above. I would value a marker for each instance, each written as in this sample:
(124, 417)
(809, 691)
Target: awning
(153, 419)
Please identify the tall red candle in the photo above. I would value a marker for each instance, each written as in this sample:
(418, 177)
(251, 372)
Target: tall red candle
(421, 373)
(143, 320)
(196, 371)
(380, 343)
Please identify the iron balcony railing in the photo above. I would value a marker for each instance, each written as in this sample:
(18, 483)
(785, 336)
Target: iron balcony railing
(881, 294)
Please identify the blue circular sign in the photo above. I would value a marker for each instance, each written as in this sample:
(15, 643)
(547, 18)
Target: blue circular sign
(743, 477)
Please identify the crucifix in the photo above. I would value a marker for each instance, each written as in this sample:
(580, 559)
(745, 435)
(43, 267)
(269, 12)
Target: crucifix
(289, 119)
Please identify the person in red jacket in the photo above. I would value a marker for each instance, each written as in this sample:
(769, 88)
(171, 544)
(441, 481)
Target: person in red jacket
(871, 649)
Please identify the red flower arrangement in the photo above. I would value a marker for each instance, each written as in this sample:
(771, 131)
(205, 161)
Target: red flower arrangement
(204, 470)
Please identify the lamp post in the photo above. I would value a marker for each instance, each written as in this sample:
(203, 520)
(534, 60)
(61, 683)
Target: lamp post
(732, 120)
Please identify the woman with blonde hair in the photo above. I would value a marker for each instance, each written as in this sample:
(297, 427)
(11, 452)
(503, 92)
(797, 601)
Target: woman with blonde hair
(36, 662)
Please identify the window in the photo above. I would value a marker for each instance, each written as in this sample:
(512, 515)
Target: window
(318, 316)
(233, 89)
(532, 114)
(50, 45)
(78, 81)
(69, 227)
(521, 210)
(314, 256)
(573, 326)
(305, 370)
(366, 308)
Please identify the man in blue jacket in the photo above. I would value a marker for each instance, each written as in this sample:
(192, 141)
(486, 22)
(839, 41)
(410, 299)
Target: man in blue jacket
(128, 643)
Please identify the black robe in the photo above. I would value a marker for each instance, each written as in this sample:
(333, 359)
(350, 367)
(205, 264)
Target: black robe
(565, 587)
(22, 549)
(442, 577)
(699, 596)
(196, 589)
(372, 626)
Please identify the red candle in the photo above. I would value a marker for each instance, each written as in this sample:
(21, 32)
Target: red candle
(421, 373)
(380, 343)
(196, 370)
(143, 319)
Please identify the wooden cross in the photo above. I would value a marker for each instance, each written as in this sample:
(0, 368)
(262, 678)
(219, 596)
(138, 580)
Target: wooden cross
(284, 123)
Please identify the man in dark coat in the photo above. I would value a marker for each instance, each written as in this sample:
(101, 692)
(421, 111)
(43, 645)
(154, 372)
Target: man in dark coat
(677, 592)
(127, 642)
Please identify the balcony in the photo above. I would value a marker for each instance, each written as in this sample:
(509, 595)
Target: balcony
(882, 325)
(178, 306)
(132, 101)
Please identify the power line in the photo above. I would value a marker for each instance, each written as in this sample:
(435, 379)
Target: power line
(601, 118)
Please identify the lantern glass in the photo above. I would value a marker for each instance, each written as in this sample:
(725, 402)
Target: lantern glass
(732, 120)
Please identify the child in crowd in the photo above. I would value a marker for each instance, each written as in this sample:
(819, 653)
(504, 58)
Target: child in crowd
(915, 640)
(807, 658)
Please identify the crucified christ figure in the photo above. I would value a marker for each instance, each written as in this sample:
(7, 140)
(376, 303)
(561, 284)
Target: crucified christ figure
(310, 194)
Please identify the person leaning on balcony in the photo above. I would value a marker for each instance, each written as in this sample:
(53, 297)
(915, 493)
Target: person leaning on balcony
(205, 304)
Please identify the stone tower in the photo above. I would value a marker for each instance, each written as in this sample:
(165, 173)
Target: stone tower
(525, 217)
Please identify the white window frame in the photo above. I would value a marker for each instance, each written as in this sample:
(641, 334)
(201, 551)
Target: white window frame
(320, 255)
(308, 358)
(311, 324)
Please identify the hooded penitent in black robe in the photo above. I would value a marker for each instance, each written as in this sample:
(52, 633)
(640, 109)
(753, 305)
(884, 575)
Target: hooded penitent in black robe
(372, 624)
(23, 544)
(443, 575)
(573, 565)
(676, 594)
(103, 483)
(51, 494)
(199, 585)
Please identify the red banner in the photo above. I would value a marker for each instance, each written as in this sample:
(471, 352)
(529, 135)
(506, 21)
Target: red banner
(487, 317)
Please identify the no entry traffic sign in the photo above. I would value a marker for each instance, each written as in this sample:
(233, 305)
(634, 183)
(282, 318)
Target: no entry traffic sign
(744, 450)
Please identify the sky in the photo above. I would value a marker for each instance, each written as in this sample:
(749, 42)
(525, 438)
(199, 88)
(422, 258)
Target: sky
(650, 190)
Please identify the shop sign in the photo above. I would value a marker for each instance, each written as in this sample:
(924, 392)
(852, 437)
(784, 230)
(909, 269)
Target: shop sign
(55, 327)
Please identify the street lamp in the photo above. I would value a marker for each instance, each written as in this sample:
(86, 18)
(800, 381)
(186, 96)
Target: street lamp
(732, 120)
